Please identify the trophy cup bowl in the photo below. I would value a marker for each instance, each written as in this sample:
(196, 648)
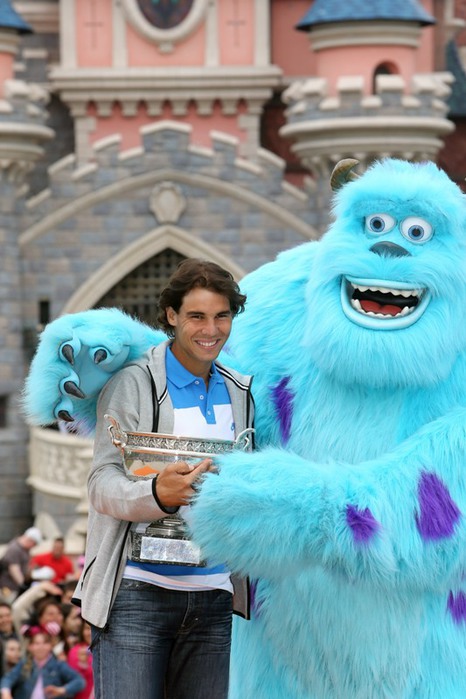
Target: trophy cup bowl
(145, 454)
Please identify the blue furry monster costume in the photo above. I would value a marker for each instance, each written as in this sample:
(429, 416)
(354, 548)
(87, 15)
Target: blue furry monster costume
(350, 516)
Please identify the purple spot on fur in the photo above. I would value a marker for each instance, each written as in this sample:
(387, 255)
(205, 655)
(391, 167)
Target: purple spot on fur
(255, 605)
(457, 606)
(283, 401)
(362, 523)
(438, 512)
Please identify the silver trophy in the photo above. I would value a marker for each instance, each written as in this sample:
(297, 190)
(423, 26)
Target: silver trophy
(145, 454)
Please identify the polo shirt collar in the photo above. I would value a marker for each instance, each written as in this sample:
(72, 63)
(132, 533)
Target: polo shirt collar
(181, 377)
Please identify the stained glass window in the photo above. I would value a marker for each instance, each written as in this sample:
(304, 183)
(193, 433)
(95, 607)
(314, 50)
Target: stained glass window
(165, 14)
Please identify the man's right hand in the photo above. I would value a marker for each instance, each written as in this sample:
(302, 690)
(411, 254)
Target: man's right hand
(174, 484)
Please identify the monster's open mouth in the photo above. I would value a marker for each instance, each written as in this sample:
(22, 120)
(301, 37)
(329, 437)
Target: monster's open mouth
(380, 304)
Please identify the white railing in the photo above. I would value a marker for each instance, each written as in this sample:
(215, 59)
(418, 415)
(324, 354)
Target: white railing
(59, 463)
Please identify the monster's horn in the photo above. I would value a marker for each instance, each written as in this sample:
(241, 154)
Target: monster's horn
(342, 173)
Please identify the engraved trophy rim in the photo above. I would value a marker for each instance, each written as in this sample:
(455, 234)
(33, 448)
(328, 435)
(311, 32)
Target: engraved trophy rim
(181, 445)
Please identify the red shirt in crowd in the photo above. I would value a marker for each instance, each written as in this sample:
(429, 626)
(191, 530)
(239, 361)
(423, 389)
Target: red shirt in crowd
(55, 559)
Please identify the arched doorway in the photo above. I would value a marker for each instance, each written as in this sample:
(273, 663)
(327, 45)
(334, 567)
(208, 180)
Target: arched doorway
(137, 293)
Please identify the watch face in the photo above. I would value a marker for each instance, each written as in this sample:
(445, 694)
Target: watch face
(165, 14)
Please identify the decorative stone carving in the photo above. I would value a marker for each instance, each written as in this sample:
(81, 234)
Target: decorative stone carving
(167, 202)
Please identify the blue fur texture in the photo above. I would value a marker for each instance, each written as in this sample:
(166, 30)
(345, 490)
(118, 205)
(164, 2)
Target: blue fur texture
(350, 516)
(123, 339)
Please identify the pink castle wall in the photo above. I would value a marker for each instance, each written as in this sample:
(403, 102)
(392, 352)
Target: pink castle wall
(128, 127)
(94, 33)
(6, 70)
(189, 52)
(363, 60)
(236, 32)
(291, 49)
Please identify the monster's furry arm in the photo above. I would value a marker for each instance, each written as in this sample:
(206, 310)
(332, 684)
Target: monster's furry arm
(393, 520)
(76, 356)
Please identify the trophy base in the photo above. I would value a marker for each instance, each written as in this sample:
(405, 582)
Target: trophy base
(165, 541)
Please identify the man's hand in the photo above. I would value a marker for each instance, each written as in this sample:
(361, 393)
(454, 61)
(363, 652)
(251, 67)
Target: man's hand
(175, 483)
(52, 691)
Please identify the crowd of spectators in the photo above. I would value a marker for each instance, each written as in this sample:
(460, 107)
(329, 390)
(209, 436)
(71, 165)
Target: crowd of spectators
(44, 642)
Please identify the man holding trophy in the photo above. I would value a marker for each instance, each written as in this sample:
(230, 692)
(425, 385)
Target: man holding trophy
(161, 616)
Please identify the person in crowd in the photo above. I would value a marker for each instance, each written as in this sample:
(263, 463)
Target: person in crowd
(55, 559)
(7, 632)
(164, 630)
(48, 613)
(80, 659)
(72, 625)
(24, 608)
(40, 675)
(67, 591)
(41, 610)
(7, 629)
(12, 654)
(14, 568)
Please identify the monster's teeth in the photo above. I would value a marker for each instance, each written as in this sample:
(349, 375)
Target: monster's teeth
(406, 293)
(406, 311)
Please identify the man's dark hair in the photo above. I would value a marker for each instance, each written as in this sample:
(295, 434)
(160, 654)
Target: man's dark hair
(197, 274)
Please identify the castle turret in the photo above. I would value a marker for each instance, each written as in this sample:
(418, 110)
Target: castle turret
(374, 93)
(22, 133)
(22, 105)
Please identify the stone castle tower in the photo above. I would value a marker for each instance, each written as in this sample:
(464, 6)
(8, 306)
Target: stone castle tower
(133, 134)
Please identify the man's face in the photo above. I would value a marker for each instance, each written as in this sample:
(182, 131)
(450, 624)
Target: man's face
(6, 620)
(58, 549)
(201, 328)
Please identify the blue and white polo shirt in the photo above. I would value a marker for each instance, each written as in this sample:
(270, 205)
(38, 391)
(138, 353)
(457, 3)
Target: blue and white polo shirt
(199, 411)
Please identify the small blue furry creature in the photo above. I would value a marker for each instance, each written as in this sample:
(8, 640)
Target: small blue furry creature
(350, 516)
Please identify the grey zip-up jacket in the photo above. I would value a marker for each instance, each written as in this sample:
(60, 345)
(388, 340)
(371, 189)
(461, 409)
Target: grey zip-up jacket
(115, 501)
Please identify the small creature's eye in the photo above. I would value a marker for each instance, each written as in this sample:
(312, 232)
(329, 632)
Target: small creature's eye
(416, 230)
(379, 223)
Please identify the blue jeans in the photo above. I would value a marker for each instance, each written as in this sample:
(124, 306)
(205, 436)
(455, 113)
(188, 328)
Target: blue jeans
(164, 644)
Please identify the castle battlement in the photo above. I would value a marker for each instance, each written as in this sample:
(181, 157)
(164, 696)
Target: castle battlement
(425, 96)
(398, 119)
(22, 127)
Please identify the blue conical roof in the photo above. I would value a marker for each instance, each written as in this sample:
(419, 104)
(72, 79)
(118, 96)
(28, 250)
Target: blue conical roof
(326, 11)
(10, 19)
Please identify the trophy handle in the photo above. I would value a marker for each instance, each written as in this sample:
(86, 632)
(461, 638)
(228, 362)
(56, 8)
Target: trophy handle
(117, 435)
(243, 440)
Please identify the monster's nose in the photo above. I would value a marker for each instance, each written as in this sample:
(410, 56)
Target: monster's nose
(388, 249)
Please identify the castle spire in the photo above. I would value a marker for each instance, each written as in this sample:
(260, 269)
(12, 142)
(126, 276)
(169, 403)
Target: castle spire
(10, 19)
(332, 11)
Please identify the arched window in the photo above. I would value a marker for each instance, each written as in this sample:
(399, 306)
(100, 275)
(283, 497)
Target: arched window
(386, 68)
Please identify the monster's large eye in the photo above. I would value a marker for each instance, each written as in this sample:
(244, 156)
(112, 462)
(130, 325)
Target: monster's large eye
(379, 223)
(416, 230)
